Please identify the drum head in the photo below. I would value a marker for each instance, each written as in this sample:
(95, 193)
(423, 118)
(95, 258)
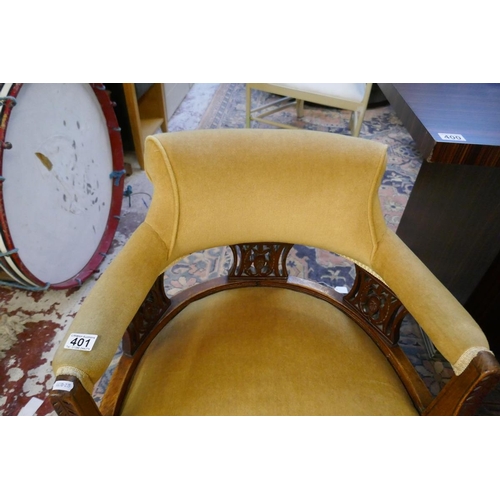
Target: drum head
(60, 202)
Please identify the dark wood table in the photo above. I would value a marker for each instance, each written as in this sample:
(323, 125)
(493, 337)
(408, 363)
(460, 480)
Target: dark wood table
(452, 219)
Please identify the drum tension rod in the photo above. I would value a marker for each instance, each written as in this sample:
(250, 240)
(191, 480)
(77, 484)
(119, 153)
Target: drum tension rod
(8, 100)
(25, 287)
(8, 252)
(5, 145)
(117, 175)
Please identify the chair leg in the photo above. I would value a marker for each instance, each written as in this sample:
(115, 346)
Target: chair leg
(248, 106)
(300, 108)
(357, 118)
(353, 123)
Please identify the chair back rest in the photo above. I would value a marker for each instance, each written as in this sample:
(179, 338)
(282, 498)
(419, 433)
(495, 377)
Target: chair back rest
(222, 187)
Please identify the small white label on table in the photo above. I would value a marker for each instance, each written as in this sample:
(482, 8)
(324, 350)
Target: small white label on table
(63, 385)
(81, 341)
(452, 137)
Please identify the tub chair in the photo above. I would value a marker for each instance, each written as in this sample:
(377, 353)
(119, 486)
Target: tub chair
(259, 341)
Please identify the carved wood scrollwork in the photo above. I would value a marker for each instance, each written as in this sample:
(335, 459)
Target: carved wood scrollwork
(64, 406)
(152, 309)
(74, 400)
(259, 261)
(476, 396)
(487, 374)
(376, 304)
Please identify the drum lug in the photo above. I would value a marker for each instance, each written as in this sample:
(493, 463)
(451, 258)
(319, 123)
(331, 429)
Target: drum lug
(117, 175)
(8, 252)
(8, 100)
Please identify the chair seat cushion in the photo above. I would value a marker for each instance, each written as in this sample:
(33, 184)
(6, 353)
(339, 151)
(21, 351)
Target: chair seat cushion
(264, 351)
(349, 91)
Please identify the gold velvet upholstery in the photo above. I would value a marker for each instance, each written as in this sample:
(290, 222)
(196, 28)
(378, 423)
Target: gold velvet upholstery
(267, 350)
(257, 351)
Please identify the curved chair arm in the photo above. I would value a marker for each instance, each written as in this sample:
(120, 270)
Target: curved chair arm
(463, 394)
(450, 327)
(111, 306)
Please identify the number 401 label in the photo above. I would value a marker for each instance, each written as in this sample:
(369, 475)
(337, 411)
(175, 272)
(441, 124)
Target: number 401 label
(81, 341)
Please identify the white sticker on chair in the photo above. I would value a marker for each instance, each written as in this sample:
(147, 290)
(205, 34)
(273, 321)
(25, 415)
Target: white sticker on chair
(81, 341)
(63, 385)
(452, 137)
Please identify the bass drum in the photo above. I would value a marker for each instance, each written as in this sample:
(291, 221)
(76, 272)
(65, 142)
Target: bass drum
(61, 189)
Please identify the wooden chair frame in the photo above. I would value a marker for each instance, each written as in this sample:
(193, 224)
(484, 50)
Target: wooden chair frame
(370, 303)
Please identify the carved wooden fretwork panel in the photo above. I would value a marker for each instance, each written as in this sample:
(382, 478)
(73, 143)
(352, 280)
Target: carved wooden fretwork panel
(152, 309)
(74, 400)
(377, 304)
(259, 260)
(64, 405)
(476, 396)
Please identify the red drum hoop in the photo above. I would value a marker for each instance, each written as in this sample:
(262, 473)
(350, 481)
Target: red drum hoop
(17, 251)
